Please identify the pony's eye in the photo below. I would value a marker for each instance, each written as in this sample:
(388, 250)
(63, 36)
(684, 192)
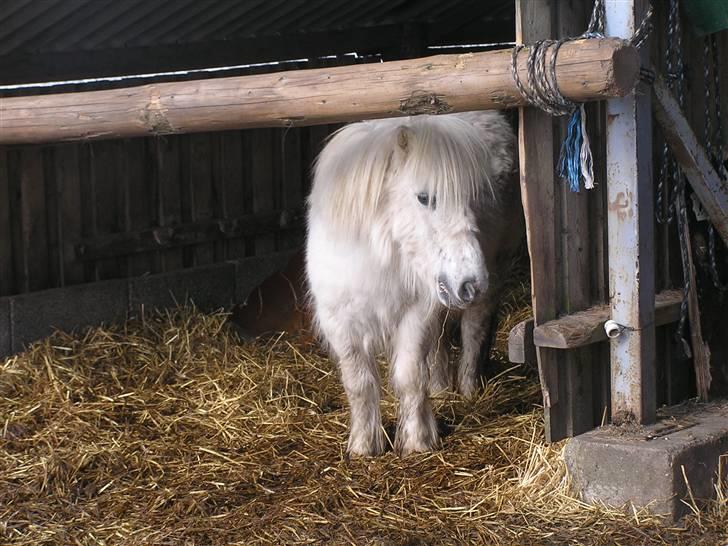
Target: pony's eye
(425, 200)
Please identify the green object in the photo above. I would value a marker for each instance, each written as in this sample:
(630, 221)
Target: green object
(707, 16)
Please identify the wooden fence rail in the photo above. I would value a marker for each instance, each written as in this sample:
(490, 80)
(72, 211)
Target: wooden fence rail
(585, 70)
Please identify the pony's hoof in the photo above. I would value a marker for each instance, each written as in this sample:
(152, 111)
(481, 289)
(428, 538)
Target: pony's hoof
(419, 439)
(420, 445)
(467, 387)
(366, 447)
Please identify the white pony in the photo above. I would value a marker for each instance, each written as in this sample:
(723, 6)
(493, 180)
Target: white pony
(409, 220)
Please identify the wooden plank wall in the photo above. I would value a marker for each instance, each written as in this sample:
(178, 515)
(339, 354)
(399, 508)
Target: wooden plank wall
(53, 197)
(568, 232)
(566, 236)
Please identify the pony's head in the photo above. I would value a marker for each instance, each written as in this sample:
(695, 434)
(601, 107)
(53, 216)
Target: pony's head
(415, 189)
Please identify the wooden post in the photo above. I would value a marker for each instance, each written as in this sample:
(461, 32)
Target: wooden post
(538, 189)
(585, 70)
(631, 236)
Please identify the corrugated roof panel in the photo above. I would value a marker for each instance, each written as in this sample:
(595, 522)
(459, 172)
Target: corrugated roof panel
(67, 25)
(34, 33)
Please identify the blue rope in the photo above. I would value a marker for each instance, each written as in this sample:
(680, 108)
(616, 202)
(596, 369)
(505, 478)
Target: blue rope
(570, 155)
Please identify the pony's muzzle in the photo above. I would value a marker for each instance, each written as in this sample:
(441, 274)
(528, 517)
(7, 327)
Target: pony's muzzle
(467, 292)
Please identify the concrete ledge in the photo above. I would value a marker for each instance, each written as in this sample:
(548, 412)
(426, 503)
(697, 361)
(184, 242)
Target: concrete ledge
(25, 318)
(648, 466)
(36, 314)
(6, 338)
(209, 287)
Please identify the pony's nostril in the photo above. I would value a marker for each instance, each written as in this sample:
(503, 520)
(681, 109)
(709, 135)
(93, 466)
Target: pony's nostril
(467, 291)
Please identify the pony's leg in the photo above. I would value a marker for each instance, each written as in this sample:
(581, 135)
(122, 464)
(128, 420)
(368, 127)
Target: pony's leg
(416, 426)
(360, 377)
(475, 330)
(438, 363)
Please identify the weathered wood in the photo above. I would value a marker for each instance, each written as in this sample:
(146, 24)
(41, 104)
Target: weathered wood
(700, 350)
(53, 215)
(69, 187)
(33, 218)
(263, 183)
(292, 180)
(200, 172)
(137, 180)
(7, 276)
(179, 235)
(587, 327)
(169, 211)
(576, 249)
(232, 185)
(106, 157)
(692, 157)
(586, 70)
(521, 349)
(538, 192)
(631, 235)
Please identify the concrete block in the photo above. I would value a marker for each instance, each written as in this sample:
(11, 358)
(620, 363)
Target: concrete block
(209, 287)
(6, 341)
(652, 466)
(37, 314)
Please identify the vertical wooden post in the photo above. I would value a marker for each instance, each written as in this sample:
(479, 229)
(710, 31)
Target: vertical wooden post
(538, 193)
(631, 235)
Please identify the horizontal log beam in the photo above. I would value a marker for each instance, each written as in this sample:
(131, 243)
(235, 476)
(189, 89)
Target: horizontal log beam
(691, 156)
(585, 70)
(587, 327)
(175, 236)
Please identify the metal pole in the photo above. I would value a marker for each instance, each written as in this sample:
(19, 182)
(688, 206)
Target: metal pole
(630, 220)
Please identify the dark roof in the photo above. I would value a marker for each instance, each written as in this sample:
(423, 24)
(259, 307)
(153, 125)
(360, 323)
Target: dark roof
(79, 38)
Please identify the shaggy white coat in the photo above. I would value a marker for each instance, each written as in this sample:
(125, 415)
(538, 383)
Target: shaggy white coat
(409, 220)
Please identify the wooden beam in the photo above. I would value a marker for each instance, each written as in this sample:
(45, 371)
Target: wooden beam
(538, 188)
(586, 70)
(587, 327)
(691, 156)
(630, 220)
(700, 349)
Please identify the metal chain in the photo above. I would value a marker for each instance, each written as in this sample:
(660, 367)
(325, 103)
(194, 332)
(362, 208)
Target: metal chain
(719, 141)
(670, 170)
(707, 129)
(596, 21)
(713, 141)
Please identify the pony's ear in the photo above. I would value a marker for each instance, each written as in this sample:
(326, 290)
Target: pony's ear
(404, 135)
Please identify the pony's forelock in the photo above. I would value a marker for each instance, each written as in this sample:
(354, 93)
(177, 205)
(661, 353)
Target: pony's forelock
(448, 155)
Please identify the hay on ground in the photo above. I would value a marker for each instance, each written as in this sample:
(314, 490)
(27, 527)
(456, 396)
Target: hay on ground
(170, 430)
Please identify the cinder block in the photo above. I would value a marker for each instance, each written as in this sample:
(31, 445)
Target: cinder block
(37, 314)
(6, 342)
(209, 287)
(250, 272)
(652, 466)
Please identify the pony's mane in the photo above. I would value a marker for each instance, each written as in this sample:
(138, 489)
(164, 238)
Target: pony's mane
(458, 158)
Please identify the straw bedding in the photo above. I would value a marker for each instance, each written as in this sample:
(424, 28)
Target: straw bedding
(171, 430)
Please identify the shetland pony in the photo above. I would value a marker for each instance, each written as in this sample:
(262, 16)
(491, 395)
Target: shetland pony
(410, 220)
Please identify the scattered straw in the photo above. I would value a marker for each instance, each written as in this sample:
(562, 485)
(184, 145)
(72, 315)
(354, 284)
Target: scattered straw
(171, 430)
